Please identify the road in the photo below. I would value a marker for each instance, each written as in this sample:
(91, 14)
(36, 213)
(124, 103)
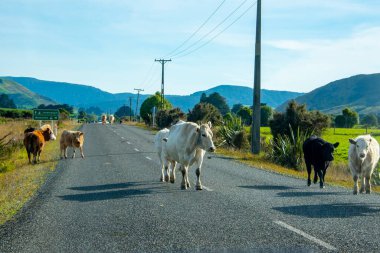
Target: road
(112, 201)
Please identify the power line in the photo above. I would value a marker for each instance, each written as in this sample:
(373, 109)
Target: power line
(196, 31)
(207, 42)
(212, 30)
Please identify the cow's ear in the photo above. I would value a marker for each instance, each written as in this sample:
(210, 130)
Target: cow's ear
(352, 141)
(81, 133)
(336, 144)
(209, 124)
(198, 129)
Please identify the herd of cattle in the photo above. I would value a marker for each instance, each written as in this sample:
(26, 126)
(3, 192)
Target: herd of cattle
(186, 143)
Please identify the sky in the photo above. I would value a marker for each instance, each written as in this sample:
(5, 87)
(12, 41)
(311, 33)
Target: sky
(112, 44)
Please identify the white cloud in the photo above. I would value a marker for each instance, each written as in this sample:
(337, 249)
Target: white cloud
(324, 62)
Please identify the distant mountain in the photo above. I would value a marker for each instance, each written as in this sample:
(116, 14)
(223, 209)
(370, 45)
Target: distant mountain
(360, 92)
(22, 97)
(86, 96)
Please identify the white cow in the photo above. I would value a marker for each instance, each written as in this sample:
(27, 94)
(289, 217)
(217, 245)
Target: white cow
(363, 156)
(187, 144)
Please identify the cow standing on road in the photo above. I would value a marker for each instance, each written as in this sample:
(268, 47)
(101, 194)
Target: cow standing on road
(318, 153)
(363, 156)
(74, 139)
(187, 144)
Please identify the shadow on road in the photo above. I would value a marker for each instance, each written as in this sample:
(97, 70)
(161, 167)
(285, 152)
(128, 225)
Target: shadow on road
(110, 186)
(267, 187)
(308, 194)
(346, 210)
(116, 191)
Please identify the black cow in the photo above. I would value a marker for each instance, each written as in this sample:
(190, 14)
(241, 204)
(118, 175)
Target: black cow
(318, 153)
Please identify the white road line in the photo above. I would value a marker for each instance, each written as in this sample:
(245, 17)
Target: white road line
(123, 137)
(147, 157)
(136, 150)
(128, 142)
(311, 238)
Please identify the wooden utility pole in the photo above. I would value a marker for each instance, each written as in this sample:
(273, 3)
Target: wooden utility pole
(130, 109)
(162, 61)
(255, 128)
(138, 96)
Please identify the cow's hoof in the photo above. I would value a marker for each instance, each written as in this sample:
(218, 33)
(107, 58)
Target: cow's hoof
(198, 187)
(368, 192)
(355, 192)
(322, 186)
(166, 178)
(162, 179)
(172, 180)
(183, 187)
(361, 191)
(315, 181)
(308, 183)
(188, 185)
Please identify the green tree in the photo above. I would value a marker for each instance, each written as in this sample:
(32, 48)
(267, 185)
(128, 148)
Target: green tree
(218, 101)
(6, 101)
(299, 119)
(148, 104)
(94, 110)
(236, 108)
(340, 121)
(369, 120)
(204, 112)
(166, 118)
(246, 115)
(266, 115)
(351, 117)
(124, 111)
(203, 98)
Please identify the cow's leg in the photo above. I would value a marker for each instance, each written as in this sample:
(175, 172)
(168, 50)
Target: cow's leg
(34, 157)
(61, 150)
(368, 183)
(308, 167)
(39, 155)
(321, 182)
(198, 184)
(184, 183)
(73, 152)
(315, 180)
(162, 167)
(362, 183)
(28, 155)
(355, 177)
(81, 152)
(172, 173)
(65, 152)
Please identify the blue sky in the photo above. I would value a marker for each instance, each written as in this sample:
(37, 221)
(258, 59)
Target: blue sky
(112, 44)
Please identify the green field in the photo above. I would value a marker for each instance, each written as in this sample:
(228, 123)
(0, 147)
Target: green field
(340, 135)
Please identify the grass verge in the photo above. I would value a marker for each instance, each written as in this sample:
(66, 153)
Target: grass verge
(21, 182)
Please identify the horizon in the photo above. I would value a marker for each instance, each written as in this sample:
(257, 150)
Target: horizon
(108, 45)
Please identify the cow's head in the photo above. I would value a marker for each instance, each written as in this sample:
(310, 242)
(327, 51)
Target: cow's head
(328, 151)
(205, 135)
(361, 147)
(78, 139)
(48, 132)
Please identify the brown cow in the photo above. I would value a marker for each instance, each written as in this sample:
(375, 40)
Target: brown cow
(74, 139)
(104, 119)
(34, 141)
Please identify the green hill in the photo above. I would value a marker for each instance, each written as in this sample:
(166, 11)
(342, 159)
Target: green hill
(22, 97)
(360, 92)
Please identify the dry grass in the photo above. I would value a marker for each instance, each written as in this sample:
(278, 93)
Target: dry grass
(22, 181)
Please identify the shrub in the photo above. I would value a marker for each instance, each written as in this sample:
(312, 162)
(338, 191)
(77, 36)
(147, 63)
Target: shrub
(165, 118)
(286, 150)
(230, 129)
(148, 104)
(204, 112)
(240, 140)
(8, 145)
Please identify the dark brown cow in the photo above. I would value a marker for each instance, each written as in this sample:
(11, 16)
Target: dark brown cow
(34, 141)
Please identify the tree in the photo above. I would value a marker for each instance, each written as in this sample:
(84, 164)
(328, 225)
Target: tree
(340, 121)
(369, 120)
(166, 118)
(203, 98)
(124, 111)
(216, 100)
(266, 115)
(148, 104)
(204, 112)
(351, 118)
(236, 108)
(94, 110)
(246, 115)
(69, 109)
(299, 120)
(6, 101)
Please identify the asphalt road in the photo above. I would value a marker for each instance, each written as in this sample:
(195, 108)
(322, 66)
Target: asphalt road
(112, 201)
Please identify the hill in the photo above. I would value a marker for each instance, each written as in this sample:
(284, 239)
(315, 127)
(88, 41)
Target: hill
(86, 96)
(360, 92)
(22, 97)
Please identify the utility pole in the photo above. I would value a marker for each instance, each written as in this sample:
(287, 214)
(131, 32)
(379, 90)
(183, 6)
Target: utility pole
(255, 128)
(138, 96)
(130, 109)
(162, 61)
